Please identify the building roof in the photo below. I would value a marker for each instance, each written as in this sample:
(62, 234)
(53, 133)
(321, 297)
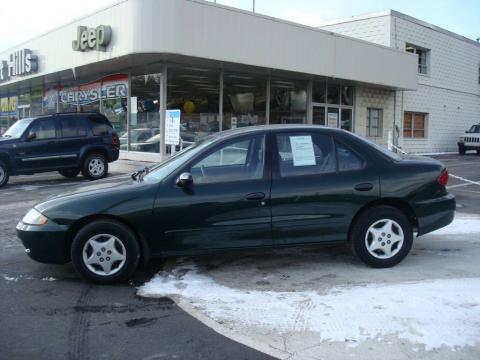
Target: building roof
(403, 16)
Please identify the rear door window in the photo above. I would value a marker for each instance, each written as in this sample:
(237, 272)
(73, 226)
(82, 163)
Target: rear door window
(72, 126)
(301, 154)
(348, 160)
(100, 126)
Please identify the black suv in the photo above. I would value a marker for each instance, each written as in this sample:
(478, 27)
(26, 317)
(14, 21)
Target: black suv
(68, 143)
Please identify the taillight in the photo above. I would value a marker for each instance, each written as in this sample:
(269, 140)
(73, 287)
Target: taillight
(443, 178)
(115, 141)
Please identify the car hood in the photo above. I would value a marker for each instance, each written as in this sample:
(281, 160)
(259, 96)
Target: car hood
(109, 196)
(6, 140)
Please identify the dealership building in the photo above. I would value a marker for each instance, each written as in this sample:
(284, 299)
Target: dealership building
(227, 68)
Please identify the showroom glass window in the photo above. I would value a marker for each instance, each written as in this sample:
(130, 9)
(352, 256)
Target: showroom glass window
(36, 101)
(244, 100)
(114, 94)
(89, 96)
(332, 105)
(194, 91)
(50, 101)
(24, 105)
(288, 101)
(145, 114)
(68, 98)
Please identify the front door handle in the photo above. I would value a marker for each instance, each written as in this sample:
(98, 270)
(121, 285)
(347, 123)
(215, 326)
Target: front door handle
(364, 187)
(255, 196)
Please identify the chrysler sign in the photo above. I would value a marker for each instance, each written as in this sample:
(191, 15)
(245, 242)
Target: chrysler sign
(19, 63)
(92, 38)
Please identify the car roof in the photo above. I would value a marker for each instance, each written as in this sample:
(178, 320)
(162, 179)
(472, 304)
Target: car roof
(275, 127)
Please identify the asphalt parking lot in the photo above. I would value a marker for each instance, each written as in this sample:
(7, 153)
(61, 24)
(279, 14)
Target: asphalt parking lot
(48, 312)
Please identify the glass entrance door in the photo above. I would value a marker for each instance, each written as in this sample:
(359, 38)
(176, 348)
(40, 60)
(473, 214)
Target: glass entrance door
(23, 111)
(318, 115)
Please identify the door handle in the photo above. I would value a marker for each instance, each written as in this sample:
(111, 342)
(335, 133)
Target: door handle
(255, 196)
(364, 187)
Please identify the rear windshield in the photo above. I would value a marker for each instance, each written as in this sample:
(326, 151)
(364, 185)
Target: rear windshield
(384, 151)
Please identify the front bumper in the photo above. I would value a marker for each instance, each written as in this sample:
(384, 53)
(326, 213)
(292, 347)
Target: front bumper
(435, 213)
(45, 244)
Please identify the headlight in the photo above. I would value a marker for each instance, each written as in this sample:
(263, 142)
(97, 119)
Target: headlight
(34, 217)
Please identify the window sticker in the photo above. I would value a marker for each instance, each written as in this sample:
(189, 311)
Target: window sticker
(302, 151)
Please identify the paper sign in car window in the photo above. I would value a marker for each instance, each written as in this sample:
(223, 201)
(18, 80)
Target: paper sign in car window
(302, 151)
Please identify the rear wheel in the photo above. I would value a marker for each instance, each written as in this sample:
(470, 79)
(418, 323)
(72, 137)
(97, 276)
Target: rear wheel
(461, 150)
(382, 237)
(105, 252)
(4, 174)
(95, 166)
(69, 173)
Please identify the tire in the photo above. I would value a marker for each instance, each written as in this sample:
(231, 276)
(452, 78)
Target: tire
(478, 151)
(69, 173)
(372, 243)
(118, 248)
(461, 150)
(4, 174)
(95, 167)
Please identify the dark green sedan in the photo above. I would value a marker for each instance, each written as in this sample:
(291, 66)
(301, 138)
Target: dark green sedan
(256, 187)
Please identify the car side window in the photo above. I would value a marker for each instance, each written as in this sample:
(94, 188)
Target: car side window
(348, 160)
(43, 129)
(235, 161)
(72, 126)
(301, 154)
(99, 125)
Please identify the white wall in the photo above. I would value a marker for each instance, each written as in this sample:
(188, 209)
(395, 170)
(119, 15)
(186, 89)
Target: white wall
(449, 93)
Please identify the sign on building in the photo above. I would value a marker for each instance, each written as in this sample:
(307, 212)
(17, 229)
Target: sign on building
(19, 63)
(172, 127)
(92, 38)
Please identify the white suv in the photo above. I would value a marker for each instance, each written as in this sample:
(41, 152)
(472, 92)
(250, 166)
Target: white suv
(471, 141)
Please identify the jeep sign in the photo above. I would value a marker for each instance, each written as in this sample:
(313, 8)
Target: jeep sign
(92, 38)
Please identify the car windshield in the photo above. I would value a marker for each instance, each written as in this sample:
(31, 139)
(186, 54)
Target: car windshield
(165, 168)
(16, 130)
(475, 129)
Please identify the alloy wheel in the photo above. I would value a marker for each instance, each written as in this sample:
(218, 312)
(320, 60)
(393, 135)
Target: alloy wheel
(384, 239)
(96, 167)
(104, 254)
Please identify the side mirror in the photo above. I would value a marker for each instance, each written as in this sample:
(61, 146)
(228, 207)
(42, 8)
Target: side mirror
(31, 136)
(185, 180)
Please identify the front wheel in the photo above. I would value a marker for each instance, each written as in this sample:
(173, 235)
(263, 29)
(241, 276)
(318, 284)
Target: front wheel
(105, 252)
(478, 151)
(95, 166)
(461, 150)
(382, 237)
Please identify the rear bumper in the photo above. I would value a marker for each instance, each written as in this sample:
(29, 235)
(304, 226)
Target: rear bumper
(45, 244)
(435, 214)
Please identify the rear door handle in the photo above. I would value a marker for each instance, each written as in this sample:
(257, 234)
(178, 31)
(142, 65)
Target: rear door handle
(255, 196)
(364, 187)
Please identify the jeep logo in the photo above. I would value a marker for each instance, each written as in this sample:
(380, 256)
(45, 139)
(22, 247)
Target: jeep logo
(92, 38)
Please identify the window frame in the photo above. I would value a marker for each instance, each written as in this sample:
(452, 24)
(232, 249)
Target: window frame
(412, 129)
(418, 50)
(379, 128)
(200, 157)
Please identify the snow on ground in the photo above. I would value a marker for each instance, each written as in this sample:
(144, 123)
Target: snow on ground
(462, 224)
(431, 313)
(325, 304)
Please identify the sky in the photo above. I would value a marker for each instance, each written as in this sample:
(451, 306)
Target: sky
(37, 17)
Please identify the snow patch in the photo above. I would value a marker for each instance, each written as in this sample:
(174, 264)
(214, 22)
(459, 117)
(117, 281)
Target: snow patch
(49, 278)
(430, 313)
(9, 278)
(462, 224)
